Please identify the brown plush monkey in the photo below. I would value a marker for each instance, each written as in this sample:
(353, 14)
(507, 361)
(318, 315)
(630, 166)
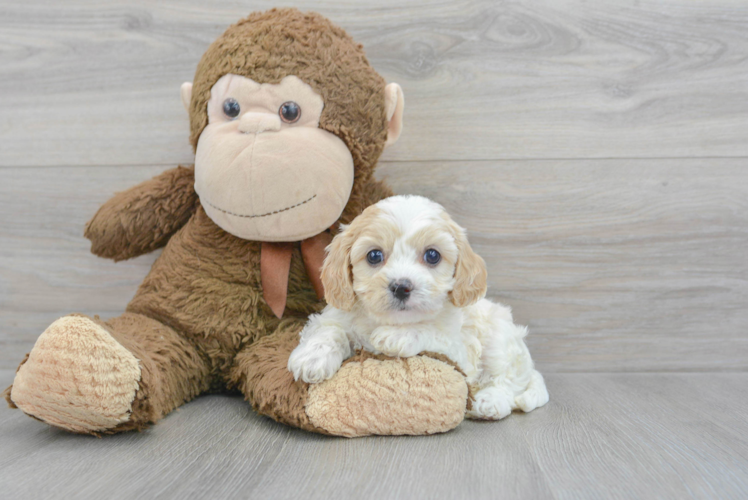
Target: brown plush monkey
(287, 120)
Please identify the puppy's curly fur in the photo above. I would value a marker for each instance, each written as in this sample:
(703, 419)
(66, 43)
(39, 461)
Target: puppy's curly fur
(402, 279)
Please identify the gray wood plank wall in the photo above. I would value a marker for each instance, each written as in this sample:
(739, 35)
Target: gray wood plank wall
(597, 152)
(609, 199)
(621, 265)
(96, 82)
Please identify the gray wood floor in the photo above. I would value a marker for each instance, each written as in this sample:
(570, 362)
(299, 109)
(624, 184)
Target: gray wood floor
(597, 152)
(607, 436)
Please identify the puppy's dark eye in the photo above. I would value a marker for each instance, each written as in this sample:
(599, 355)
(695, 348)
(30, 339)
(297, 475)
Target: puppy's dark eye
(432, 257)
(289, 112)
(231, 107)
(375, 257)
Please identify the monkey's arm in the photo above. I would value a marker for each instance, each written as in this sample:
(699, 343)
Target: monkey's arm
(144, 217)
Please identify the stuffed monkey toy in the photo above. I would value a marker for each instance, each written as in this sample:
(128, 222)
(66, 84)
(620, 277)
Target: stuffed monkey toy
(287, 121)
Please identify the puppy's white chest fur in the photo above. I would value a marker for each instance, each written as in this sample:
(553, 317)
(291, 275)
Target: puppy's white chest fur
(458, 333)
(442, 334)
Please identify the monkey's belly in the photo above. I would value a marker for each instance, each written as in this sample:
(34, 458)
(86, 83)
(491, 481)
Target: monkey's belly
(207, 287)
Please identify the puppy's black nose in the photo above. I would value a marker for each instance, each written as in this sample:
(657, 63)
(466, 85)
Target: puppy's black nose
(401, 289)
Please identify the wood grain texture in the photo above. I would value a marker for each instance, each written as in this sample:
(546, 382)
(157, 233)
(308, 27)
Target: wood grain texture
(92, 82)
(616, 265)
(628, 256)
(601, 436)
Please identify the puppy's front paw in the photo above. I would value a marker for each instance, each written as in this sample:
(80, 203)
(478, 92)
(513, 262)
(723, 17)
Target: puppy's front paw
(314, 362)
(491, 403)
(395, 341)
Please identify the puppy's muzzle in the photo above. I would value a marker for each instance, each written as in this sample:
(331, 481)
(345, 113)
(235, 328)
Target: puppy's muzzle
(401, 289)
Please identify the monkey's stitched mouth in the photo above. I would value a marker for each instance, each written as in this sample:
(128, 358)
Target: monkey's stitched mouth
(263, 215)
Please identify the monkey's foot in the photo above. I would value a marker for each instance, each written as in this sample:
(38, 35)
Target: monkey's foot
(77, 377)
(369, 395)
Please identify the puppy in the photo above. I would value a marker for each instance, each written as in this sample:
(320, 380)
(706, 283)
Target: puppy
(402, 279)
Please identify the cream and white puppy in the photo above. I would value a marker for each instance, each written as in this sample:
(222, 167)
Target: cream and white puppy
(402, 279)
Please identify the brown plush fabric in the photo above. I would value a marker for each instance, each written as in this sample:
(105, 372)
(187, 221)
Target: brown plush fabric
(144, 217)
(79, 357)
(207, 285)
(267, 46)
(260, 373)
(173, 371)
(195, 320)
(199, 322)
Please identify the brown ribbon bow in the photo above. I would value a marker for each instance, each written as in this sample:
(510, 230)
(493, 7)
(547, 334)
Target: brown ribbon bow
(275, 264)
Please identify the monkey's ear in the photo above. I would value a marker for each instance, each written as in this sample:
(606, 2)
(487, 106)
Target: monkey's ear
(393, 104)
(186, 91)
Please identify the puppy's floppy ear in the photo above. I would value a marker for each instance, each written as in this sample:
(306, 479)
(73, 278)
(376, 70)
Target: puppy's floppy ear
(470, 271)
(336, 271)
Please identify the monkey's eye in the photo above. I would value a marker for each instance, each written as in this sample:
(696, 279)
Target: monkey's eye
(289, 112)
(231, 107)
(375, 257)
(432, 257)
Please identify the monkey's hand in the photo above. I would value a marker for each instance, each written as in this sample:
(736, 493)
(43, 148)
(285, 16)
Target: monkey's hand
(144, 217)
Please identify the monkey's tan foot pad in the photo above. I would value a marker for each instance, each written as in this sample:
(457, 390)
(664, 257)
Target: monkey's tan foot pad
(412, 396)
(77, 377)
